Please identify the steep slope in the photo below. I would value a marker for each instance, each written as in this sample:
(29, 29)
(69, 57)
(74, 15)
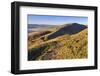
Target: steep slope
(41, 37)
(67, 29)
(62, 47)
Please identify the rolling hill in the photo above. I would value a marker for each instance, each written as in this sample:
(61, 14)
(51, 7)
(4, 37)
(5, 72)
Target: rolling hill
(67, 42)
(67, 29)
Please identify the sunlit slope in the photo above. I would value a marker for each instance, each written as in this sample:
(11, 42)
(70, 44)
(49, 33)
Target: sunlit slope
(65, 29)
(65, 46)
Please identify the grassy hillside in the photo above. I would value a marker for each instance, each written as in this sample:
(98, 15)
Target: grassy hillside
(67, 29)
(65, 46)
(36, 38)
(68, 47)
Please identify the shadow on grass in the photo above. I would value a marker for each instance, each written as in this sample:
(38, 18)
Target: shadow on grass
(36, 52)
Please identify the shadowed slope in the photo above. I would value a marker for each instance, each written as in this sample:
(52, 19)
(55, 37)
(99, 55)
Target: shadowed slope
(67, 29)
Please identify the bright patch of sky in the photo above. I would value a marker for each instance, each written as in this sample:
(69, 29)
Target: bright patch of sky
(56, 20)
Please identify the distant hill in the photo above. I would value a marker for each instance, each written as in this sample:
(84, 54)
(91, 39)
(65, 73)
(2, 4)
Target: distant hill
(37, 27)
(41, 26)
(67, 29)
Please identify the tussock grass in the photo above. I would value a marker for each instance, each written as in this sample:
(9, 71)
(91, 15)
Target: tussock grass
(65, 42)
(63, 47)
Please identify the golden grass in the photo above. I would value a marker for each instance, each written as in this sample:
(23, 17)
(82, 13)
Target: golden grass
(63, 47)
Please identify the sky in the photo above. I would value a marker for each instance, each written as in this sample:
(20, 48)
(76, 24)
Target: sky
(56, 20)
